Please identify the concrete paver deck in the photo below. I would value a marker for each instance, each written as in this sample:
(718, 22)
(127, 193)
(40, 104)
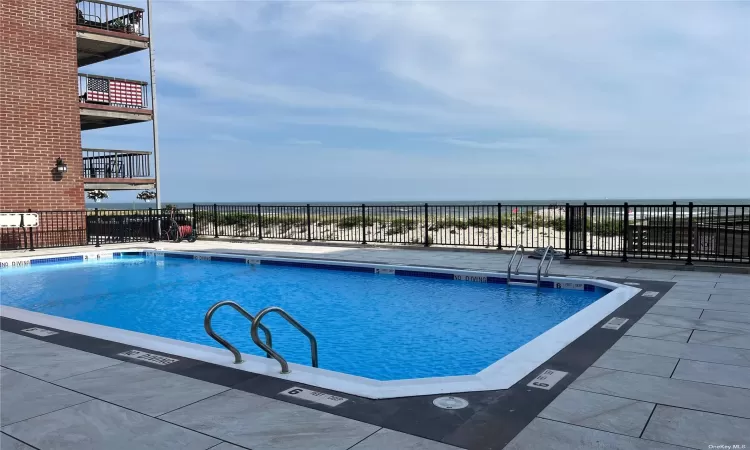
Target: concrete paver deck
(679, 378)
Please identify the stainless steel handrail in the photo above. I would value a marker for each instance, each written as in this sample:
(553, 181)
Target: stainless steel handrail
(551, 257)
(271, 351)
(512, 258)
(224, 342)
(539, 267)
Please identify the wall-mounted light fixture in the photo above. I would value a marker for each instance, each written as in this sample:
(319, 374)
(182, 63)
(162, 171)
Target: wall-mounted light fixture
(61, 167)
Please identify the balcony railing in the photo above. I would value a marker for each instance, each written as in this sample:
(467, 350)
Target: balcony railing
(110, 16)
(118, 92)
(116, 164)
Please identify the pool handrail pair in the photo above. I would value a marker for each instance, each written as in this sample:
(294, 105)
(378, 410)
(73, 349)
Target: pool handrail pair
(539, 267)
(255, 324)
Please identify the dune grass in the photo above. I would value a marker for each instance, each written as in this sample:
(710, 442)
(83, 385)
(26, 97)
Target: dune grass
(392, 225)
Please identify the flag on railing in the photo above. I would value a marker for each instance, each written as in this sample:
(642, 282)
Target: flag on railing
(114, 92)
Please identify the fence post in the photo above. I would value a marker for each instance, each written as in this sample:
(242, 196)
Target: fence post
(216, 222)
(23, 230)
(426, 226)
(690, 235)
(150, 226)
(31, 239)
(260, 224)
(98, 226)
(625, 230)
(309, 225)
(31, 234)
(585, 226)
(674, 230)
(567, 231)
(364, 225)
(499, 226)
(122, 227)
(195, 223)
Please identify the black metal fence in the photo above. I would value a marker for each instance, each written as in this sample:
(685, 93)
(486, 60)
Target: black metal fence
(687, 232)
(491, 226)
(92, 227)
(717, 233)
(110, 17)
(115, 164)
(55, 229)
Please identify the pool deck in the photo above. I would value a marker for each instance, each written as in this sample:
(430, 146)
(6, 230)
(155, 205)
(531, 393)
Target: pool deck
(679, 377)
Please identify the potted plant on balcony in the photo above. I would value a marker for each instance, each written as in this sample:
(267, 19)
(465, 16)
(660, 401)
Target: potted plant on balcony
(118, 24)
(146, 196)
(97, 195)
(135, 23)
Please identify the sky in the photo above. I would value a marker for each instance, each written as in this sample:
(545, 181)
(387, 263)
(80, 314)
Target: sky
(356, 101)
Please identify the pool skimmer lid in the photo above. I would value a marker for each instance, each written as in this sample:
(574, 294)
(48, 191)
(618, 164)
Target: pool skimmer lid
(450, 402)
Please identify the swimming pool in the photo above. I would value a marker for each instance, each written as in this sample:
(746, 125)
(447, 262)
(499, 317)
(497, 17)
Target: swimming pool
(377, 322)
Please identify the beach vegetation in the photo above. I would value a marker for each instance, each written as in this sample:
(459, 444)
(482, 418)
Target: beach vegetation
(450, 222)
(401, 225)
(354, 222)
(605, 227)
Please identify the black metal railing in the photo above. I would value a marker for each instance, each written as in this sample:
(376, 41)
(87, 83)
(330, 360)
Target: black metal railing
(122, 226)
(115, 164)
(717, 233)
(93, 227)
(110, 16)
(55, 229)
(489, 226)
(109, 91)
(685, 232)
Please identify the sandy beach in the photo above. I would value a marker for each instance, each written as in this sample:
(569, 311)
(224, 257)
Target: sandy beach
(410, 233)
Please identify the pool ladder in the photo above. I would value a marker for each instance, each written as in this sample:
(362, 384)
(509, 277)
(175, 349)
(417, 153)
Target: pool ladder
(255, 324)
(515, 270)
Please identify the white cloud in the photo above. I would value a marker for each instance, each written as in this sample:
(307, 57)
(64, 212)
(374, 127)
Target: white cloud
(574, 66)
(506, 144)
(304, 142)
(645, 88)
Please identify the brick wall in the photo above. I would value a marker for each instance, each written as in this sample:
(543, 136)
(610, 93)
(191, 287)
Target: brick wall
(39, 114)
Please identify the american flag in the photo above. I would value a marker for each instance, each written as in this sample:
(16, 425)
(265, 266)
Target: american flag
(116, 93)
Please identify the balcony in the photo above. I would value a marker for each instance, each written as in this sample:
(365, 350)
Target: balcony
(107, 30)
(117, 169)
(107, 101)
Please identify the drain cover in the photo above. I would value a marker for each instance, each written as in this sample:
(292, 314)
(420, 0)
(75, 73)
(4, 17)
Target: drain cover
(450, 402)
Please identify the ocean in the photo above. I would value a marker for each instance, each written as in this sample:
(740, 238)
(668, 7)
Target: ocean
(186, 205)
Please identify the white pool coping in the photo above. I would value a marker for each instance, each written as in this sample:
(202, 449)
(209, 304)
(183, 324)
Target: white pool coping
(502, 374)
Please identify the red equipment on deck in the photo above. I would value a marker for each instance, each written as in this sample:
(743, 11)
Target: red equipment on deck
(185, 230)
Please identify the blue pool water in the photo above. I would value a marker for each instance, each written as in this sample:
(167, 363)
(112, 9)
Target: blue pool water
(376, 326)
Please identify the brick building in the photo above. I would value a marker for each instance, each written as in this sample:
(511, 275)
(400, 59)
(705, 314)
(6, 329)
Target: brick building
(46, 103)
